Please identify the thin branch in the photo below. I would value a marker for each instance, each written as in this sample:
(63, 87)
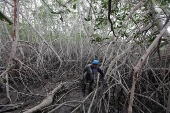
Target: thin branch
(109, 13)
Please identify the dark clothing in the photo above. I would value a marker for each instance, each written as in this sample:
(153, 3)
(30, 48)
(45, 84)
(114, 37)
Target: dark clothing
(91, 73)
(90, 77)
(90, 86)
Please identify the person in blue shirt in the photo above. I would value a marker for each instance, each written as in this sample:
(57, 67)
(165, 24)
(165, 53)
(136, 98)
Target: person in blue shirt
(90, 76)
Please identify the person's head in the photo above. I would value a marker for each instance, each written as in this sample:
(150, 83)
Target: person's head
(95, 63)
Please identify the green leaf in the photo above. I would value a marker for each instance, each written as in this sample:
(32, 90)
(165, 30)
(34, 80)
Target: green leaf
(140, 42)
(4, 17)
(163, 2)
(123, 17)
(3, 80)
(68, 10)
(98, 39)
(104, 4)
(87, 19)
(74, 6)
(151, 40)
(54, 12)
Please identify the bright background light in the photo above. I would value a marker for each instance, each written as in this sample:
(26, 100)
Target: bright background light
(168, 29)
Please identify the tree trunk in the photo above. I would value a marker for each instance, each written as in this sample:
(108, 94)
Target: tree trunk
(139, 65)
(14, 43)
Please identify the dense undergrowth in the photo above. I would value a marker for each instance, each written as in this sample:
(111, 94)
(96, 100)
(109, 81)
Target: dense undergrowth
(33, 75)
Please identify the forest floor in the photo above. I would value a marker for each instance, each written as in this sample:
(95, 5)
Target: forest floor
(23, 101)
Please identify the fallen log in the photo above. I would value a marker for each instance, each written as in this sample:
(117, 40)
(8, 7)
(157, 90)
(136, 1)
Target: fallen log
(47, 101)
